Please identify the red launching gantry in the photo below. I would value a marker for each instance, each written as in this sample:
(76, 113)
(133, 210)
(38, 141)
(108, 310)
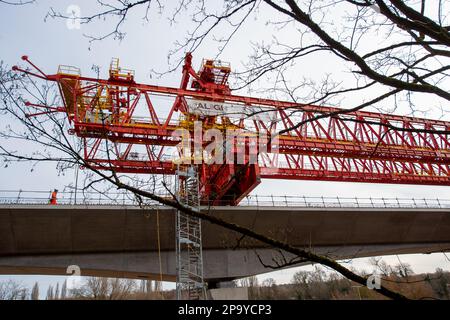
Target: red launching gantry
(355, 147)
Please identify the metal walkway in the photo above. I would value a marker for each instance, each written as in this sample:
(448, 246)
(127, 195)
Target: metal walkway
(127, 199)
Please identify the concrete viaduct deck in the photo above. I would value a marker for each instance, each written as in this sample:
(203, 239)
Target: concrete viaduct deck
(121, 241)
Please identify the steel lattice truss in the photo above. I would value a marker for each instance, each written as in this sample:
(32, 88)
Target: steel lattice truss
(138, 122)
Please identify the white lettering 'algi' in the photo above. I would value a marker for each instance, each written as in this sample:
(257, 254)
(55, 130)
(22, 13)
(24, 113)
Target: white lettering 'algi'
(236, 111)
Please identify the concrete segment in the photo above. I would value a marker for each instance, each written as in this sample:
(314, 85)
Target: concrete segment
(122, 241)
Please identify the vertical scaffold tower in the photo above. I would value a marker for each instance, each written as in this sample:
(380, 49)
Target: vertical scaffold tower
(188, 232)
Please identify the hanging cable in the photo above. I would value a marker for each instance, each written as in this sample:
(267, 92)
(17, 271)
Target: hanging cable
(159, 253)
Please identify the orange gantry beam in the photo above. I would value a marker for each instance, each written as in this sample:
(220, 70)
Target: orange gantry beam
(139, 124)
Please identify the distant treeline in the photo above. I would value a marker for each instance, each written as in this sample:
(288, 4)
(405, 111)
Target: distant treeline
(316, 284)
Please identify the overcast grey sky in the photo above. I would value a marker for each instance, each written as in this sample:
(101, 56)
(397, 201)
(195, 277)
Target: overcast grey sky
(51, 43)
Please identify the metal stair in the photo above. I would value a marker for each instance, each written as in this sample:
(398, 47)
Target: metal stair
(190, 283)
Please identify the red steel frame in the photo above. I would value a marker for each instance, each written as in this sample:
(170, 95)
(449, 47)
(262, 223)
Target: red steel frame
(353, 147)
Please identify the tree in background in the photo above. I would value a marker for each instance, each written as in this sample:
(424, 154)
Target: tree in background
(388, 51)
(35, 292)
(104, 289)
(403, 270)
(312, 285)
(56, 295)
(64, 290)
(440, 283)
(13, 290)
(50, 295)
(271, 289)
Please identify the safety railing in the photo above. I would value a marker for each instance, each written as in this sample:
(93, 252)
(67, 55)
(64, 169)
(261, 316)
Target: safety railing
(71, 197)
(128, 199)
(69, 70)
(344, 202)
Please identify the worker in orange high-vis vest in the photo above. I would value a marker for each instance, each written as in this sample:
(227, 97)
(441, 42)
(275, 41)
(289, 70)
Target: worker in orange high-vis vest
(53, 197)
